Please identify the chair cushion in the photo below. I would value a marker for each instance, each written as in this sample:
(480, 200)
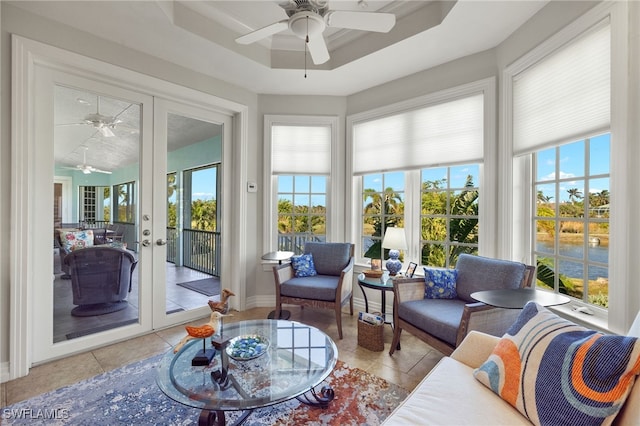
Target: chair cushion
(303, 265)
(556, 372)
(440, 283)
(318, 287)
(438, 317)
(477, 273)
(75, 240)
(329, 258)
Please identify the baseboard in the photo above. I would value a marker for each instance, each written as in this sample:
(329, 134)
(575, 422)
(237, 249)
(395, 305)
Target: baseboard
(4, 372)
(265, 301)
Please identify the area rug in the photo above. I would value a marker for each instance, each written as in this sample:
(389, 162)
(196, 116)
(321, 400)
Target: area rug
(207, 286)
(130, 396)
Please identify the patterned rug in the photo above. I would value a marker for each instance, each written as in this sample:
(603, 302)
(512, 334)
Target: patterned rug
(129, 396)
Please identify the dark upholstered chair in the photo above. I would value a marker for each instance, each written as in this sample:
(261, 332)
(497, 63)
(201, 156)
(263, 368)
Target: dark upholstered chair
(69, 240)
(100, 279)
(331, 288)
(443, 323)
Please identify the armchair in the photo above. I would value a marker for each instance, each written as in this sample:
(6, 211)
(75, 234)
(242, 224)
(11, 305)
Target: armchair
(100, 279)
(331, 288)
(443, 323)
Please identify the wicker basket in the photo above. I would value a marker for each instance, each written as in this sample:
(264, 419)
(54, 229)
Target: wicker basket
(371, 336)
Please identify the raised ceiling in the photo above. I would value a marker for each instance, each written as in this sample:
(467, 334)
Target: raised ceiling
(200, 35)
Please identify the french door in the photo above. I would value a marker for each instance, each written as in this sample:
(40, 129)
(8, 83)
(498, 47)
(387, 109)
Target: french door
(117, 146)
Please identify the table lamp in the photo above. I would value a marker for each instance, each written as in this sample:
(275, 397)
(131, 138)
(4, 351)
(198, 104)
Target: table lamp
(395, 240)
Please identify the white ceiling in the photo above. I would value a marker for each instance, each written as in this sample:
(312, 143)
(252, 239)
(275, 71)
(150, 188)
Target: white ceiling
(200, 35)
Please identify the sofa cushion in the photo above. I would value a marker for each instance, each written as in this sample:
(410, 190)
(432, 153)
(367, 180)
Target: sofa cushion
(318, 287)
(303, 265)
(75, 240)
(329, 258)
(477, 273)
(440, 283)
(438, 317)
(556, 372)
(450, 396)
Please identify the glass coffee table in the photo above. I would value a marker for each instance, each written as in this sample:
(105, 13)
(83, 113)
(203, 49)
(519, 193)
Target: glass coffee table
(258, 363)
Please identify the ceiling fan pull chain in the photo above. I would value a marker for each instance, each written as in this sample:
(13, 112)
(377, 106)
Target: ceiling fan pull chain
(306, 41)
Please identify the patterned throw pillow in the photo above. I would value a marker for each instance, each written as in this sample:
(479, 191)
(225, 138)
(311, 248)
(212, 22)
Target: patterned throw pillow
(557, 373)
(440, 283)
(303, 265)
(75, 240)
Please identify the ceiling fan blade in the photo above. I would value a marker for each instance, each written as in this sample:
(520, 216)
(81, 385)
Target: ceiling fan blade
(366, 21)
(318, 49)
(261, 33)
(106, 172)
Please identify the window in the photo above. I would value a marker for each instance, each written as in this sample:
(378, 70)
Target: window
(383, 198)
(449, 214)
(301, 171)
(125, 204)
(419, 166)
(94, 205)
(561, 99)
(571, 219)
(302, 210)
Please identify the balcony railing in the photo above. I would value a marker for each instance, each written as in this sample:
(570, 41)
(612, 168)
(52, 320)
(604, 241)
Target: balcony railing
(295, 243)
(200, 250)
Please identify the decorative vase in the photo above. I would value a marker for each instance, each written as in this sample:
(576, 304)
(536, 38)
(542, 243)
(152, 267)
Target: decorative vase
(393, 264)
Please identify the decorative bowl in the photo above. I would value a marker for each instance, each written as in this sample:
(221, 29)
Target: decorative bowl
(373, 273)
(248, 346)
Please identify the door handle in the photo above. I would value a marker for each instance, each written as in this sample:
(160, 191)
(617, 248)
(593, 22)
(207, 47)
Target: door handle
(146, 243)
(161, 242)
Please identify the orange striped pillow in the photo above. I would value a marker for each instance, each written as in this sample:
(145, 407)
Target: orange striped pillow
(557, 373)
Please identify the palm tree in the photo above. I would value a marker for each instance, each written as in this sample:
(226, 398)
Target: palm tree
(543, 198)
(574, 194)
(388, 205)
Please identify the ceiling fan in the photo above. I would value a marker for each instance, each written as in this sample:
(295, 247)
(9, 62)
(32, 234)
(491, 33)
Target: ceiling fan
(84, 167)
(309, 18)
(103, 123)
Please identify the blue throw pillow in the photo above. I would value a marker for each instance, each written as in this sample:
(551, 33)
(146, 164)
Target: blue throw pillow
(440, 283)
(303, 265)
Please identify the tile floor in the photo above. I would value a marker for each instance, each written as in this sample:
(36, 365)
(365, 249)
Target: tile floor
(405, 368)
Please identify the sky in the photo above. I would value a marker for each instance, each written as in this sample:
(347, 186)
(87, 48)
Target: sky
(570, 163)
(203, 183)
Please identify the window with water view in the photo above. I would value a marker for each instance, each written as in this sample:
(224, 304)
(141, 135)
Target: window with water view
(571, 219)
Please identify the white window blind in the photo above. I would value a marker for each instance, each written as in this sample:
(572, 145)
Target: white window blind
(446, 133)
(301, 149)
(565, 96)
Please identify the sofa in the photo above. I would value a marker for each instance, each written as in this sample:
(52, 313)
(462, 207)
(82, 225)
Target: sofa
(441, 316)
(451, 394)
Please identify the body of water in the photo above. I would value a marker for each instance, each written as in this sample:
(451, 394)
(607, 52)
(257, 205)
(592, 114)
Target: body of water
(574, 269)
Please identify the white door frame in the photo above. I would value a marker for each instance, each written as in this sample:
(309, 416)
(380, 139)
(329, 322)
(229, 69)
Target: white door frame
(27, 55)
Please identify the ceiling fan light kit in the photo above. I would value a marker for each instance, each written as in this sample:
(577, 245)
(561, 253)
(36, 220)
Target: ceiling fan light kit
(309, 18)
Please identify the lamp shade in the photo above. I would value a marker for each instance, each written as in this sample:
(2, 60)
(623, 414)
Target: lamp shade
(394, 238)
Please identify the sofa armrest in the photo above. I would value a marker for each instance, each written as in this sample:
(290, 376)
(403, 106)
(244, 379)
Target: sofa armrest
(475, 349)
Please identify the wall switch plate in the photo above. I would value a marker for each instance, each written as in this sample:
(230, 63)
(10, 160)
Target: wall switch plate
(252, 186)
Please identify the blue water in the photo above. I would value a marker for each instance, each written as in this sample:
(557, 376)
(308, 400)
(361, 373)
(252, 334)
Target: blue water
(574, 269)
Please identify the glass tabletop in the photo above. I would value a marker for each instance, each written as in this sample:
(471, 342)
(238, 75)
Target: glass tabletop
(376, 282)
(297, 358)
